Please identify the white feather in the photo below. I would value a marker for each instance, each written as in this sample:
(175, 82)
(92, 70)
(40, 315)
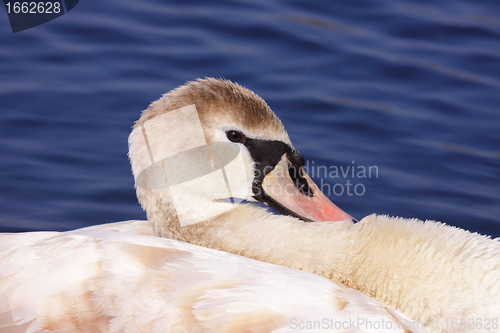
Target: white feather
(103, 280)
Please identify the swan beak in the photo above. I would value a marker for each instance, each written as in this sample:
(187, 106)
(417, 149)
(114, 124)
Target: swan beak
(300, 196)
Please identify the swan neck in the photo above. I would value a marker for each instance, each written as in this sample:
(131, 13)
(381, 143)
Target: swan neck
(414, 267)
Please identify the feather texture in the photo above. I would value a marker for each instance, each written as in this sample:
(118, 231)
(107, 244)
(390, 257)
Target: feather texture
(103, 279)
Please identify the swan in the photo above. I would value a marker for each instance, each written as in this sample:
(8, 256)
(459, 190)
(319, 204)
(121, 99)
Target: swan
(202, 156)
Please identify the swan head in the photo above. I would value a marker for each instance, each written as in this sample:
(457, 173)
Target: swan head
(210, 145)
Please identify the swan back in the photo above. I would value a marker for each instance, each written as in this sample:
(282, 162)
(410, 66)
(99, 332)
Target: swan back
(103, 280)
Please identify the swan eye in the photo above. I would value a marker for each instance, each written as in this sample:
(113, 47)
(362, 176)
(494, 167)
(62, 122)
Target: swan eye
(235, 136)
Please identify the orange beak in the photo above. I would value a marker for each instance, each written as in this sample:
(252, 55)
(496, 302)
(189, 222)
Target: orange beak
(314, 206)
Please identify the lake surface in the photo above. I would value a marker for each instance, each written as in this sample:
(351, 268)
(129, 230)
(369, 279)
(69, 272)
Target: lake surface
(407, 90)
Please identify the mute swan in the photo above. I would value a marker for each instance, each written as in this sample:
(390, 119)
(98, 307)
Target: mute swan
(200, 155)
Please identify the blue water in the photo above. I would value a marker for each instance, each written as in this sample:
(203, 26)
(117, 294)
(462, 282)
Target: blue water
(409, 88)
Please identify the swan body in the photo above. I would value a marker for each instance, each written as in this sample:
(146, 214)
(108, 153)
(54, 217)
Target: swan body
(201, 156)
(120, 277)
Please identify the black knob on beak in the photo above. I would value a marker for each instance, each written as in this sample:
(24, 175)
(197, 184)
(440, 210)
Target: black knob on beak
(295, 170)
